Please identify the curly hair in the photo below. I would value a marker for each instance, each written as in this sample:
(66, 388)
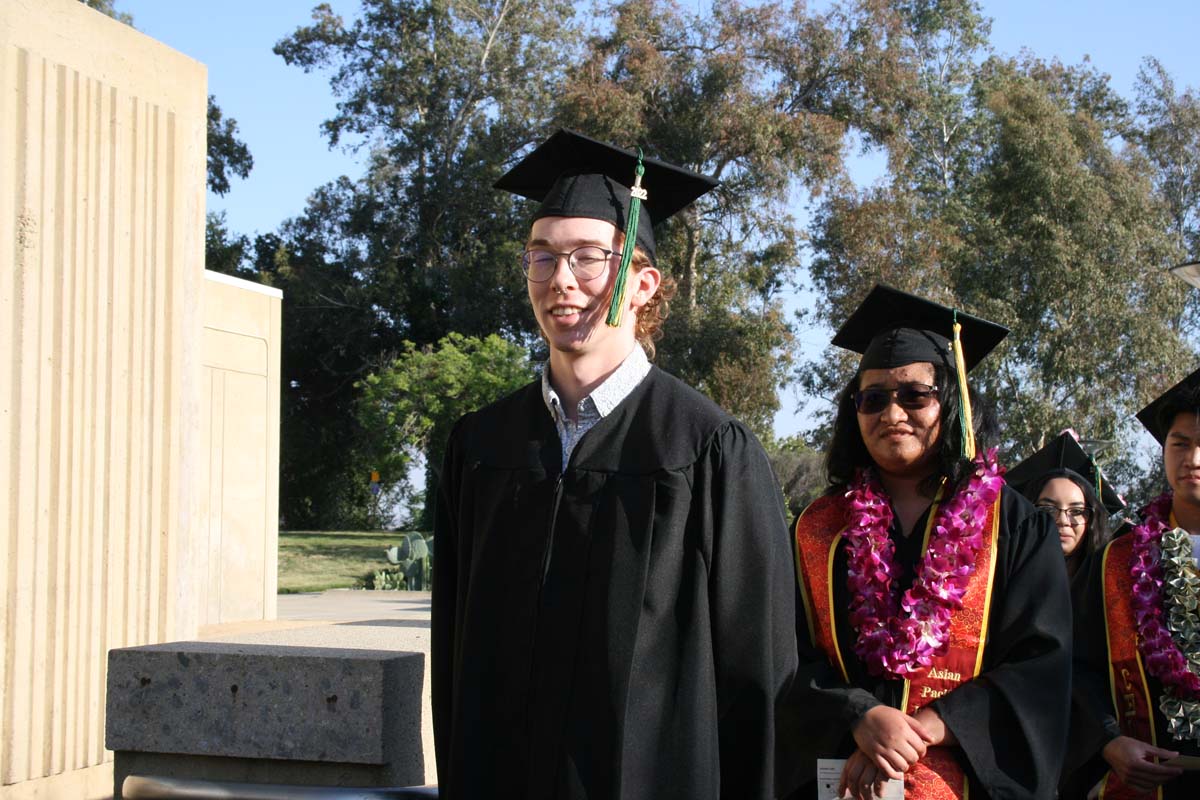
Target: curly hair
(848, 452)
(653, 314)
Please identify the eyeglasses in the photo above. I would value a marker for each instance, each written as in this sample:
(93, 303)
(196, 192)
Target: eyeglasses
(585, 262)
(910, 396)
(1077, 515)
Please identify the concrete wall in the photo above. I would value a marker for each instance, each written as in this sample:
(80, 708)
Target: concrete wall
(102, 158)
(240, 433)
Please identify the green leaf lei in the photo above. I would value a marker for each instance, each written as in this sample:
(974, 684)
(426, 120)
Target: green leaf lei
(1181, 601)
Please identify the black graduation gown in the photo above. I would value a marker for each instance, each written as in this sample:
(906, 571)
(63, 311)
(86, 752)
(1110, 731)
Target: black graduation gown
(1093, 721)
(622, 629)
(1011, 721)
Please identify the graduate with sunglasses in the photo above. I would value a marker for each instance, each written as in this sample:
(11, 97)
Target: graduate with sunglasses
(935, 635)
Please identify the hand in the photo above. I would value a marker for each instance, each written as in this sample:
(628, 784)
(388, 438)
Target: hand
(861, 780)
(891, 740)
(931, 721)
(1132, 760)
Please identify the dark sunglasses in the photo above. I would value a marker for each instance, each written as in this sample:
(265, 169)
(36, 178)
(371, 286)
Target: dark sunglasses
(910, 396)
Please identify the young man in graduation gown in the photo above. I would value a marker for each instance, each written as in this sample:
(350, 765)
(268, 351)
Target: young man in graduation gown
(613, 606)
(1137, 632)
(935, 638)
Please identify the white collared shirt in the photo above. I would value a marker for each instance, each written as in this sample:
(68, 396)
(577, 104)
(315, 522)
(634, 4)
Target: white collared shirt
(597, 405)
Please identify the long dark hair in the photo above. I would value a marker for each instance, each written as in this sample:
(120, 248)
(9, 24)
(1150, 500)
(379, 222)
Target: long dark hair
(1097, 528)
(847, 450)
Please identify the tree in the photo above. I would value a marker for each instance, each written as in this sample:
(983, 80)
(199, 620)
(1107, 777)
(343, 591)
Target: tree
(226, 153)
(409, 406)
(713, 92)
(801, 473)
(108, 7)
(224, 250)
(1168, 131)
(332, 334)
(442, 93)
(1039, 222)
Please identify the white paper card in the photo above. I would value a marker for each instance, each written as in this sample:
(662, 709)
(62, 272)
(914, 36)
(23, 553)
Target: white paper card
(829, 773)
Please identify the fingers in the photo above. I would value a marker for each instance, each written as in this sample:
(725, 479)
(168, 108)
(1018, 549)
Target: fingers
(1158, 752)
(851, 774)
(890, 764)
(927, 737)
(861, 779)
(1149, 774)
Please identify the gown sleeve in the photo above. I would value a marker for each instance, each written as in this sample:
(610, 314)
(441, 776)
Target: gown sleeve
(1011, 720)
(1093, 722)
(751, 591)
(444, 605)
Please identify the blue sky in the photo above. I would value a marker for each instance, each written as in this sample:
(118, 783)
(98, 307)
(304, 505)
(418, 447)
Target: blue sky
(279, 108)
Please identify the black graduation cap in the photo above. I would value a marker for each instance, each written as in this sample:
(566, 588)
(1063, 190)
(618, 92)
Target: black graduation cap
(1150, 415)
(573, 175)
(1064, 452)
(891, 328)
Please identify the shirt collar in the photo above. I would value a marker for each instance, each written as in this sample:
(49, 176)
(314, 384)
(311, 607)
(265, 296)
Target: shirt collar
(609, 394)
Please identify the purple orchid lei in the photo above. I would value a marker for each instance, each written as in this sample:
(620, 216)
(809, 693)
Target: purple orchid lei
(1160, 652)
(890, 644)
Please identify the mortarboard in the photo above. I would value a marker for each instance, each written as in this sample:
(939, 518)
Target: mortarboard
(891, 328)
(1064, 453)
(572, 175)
(1151, 415)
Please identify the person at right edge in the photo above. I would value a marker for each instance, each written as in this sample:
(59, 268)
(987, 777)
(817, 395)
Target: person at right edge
(935, 642)
(1137, 633)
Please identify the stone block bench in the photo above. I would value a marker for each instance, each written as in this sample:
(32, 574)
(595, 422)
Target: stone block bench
(265, 714)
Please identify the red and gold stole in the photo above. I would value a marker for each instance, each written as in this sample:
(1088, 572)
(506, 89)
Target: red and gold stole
(1126, 675)
(937, 776)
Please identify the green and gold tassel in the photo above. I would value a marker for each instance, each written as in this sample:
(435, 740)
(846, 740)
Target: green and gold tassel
(637, 194)
(965, 422)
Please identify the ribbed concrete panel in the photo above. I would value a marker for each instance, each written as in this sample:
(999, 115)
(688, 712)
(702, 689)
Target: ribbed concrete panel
(101, 260)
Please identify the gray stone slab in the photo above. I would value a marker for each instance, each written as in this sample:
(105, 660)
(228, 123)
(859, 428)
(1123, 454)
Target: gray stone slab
(266, 701)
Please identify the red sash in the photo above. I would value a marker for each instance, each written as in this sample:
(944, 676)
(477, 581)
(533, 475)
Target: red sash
(1126, 676)
(937, 776)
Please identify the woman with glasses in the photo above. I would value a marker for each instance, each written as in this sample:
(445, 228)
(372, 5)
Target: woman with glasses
(1053, 480)
(934, 639)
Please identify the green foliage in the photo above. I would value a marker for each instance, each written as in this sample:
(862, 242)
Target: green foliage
(408, 407)
(1024, 190)
(227, 154)
(714, 92)
(315, 561)
(800, 470)
(108, 7)
(332, 335)
(1168, 130)
(413, 568)
(1009, 195)
(443, 93)
(224, 250)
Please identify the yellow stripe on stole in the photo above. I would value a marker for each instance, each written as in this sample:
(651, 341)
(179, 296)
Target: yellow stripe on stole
(837, 648)
(987, 597)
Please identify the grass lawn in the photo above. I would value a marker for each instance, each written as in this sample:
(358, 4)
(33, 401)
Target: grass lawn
(313, 561)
